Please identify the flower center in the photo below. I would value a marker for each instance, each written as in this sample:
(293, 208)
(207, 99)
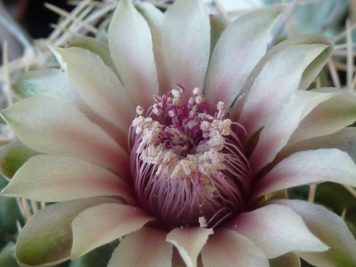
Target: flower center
(187, 165)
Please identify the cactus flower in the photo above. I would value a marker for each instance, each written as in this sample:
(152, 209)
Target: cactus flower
(180, 147)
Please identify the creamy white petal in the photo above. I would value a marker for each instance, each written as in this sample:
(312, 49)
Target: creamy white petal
(277, 230)
(104, 223)
(49, 125)
(238, 50)
(272, 82)
(99, 86)
(344, 140)
(56, 83)
(277, 132)
(144, 248)
(228, 248)
(328, 118)
(155, 18)
(50, 178)
(313, 70)
(94, 45)
(329, 228)
(189, 242)
(130, 44)
(306, 167)
(186, 43)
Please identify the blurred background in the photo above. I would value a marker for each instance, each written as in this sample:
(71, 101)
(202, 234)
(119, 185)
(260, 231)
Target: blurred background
(33, 16)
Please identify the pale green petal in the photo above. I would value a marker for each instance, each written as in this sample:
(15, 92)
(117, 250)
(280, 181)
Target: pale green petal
(7, 255)
(277, 230)
(104, 223)
(218, 24)
(330, 229)
(99, 86)
(189, 242)
(328, 118)
(47, 237)
(239, 49)
(130, 44)
(12, 156)
(287, 260)
(49, 82)
(49, 178)
(94, 45)
(155, 18)
(146, 247)
(49, 125)
(307, 167)
(227, 248)
(186, 43)
(272, 82)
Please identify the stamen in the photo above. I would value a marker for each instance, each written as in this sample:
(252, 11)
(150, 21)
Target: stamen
(189, 166)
